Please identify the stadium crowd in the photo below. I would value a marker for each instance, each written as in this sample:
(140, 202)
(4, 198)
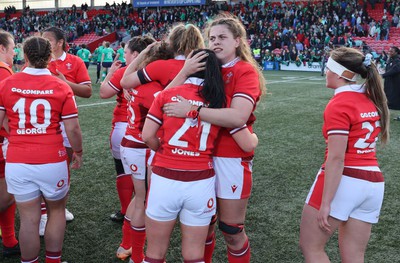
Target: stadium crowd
(299, 32)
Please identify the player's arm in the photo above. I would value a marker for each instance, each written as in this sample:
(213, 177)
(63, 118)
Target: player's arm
(334, 165)
(235, 116)
(80, 90)
(246, 140)
(74, 134)
(116, 57)
(2, 119)
(131, 80)
(149, 134)
(106, 91)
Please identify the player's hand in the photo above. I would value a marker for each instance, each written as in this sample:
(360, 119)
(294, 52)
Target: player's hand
(115, 66)
(127, 95)
(322, 218)
(193, 63)
(60, 75)
(77, 161)
(177, 109)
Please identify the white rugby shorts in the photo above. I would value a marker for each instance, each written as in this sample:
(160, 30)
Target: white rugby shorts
(29, 181)
(194, 201)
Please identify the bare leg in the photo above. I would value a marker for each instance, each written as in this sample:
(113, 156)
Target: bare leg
(158, 235)
(312, 237)
(29, 239)
(55, 228)
(193, 239)
(353, 240)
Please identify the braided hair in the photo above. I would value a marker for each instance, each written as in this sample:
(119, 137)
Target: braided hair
(38, 51)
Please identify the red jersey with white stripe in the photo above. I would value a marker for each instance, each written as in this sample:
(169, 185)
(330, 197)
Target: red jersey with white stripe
(186, 144)
(162, 71)
(241, 80)
(350, 113)
(141, 100)
(120, 110)
(35, 102)
(72, 67)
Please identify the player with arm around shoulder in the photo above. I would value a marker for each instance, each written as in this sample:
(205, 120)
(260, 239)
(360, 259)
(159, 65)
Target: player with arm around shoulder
(244, 84)
(347, 193)
(35, 102)
(182, 40)
(191, 141)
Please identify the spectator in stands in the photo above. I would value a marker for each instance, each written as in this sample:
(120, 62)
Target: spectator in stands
(392, 78)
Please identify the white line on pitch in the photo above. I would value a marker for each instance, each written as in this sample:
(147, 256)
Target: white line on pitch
(95, 104)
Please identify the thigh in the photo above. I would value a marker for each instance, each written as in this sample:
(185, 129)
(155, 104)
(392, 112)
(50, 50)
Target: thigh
(232, 211)
(353, 240)
(158, 234)
(117, 133)
(311, 235)
(233, 177)
(6, 199)
(193, 240)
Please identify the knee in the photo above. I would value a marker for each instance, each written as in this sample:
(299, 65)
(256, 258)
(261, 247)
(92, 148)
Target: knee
(5, 201)
(233, 233)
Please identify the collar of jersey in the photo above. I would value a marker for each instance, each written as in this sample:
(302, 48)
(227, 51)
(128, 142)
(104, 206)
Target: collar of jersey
(180, 57)
(231, 63)
(352, 88)
(62, 58)
(36, 71)
(195, 81)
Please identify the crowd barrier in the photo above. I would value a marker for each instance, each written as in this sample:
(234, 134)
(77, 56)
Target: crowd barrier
(273, 65)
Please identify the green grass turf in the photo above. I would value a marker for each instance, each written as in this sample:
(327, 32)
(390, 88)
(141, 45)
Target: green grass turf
(290, 152)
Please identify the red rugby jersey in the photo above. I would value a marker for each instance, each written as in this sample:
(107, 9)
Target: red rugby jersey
(35, 102)
(72, 67)
(351, 113)
(141, 100)
(186, 144)
(241, 80)
(120, 110)
(162, 71)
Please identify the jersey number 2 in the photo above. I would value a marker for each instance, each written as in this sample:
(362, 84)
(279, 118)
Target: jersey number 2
(363, 143)
(205, 131)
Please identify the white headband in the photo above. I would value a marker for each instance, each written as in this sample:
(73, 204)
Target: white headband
(342, 71)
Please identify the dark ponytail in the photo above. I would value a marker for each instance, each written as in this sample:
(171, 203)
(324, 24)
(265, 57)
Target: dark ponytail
(212, 90)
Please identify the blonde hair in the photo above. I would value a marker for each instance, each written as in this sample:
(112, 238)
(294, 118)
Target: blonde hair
(354, 60)
(185, 38)
(243, 51)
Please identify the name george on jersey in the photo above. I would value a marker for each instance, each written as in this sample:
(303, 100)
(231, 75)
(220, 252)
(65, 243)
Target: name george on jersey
(33, 91)
(31, 131)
